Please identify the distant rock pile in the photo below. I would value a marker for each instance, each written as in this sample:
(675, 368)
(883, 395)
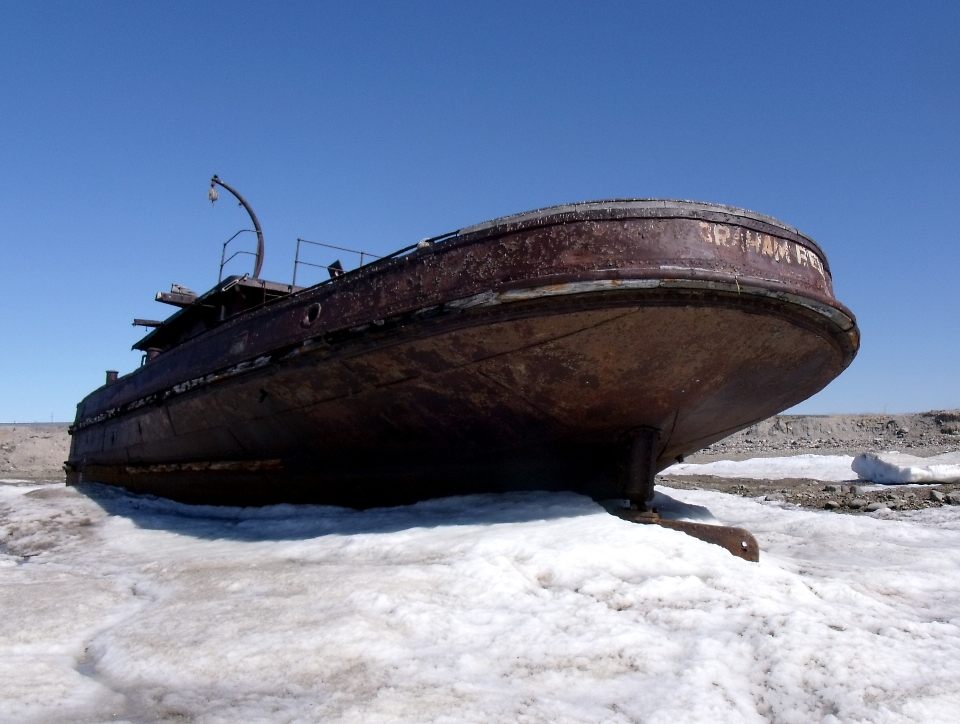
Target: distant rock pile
(34, 451)
(923, 434)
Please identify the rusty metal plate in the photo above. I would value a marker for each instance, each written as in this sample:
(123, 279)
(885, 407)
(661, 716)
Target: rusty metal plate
(738, 541)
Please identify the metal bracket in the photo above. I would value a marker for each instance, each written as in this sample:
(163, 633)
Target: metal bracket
(738, 541)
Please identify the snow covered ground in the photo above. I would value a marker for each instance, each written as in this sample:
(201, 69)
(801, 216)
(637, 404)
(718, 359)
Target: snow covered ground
(831, 468)
(886, 467)
(527, 607)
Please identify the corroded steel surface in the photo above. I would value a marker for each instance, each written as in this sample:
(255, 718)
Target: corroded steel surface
(516, 354)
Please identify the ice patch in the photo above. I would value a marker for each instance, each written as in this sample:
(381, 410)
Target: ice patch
(536, 607)
(830, 468)
(894, 467)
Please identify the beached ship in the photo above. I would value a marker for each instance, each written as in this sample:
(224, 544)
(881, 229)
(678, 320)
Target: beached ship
(579, 347)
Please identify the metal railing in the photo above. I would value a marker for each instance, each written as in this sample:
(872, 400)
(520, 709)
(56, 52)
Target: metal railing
(223, 255)
(334, 269)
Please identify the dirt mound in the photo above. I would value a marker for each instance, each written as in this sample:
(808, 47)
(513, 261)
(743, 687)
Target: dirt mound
(33, 451)
(922, 433)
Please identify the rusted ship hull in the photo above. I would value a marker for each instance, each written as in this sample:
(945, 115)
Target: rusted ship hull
(525, 353)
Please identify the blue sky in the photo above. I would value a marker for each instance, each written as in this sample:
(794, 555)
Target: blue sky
(373, 125)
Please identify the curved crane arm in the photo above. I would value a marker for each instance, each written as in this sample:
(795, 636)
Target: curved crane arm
(253, 218)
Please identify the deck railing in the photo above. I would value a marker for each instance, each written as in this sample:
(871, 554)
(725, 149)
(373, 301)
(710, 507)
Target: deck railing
(335, 269)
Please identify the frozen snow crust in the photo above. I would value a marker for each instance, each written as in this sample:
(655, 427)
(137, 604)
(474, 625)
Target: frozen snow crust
(831, 468)
(529, 607)
(895, 467)
(886, 467)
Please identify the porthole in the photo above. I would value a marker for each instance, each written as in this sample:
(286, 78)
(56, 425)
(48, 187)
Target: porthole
(313, 311)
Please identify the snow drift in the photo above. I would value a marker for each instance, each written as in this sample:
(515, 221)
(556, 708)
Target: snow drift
(533, 607)
(894, 467)
(884, 467)
(830, 468)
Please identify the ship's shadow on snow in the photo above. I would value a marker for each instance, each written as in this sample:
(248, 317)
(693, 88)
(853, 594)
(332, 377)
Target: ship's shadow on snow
(674, 509)
(301, 522)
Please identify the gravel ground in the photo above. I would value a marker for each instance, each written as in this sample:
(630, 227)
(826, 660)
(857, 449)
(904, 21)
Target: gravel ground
(922, 434)
(855, 497)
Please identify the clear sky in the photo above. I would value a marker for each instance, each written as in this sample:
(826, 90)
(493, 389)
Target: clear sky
(373, 125)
